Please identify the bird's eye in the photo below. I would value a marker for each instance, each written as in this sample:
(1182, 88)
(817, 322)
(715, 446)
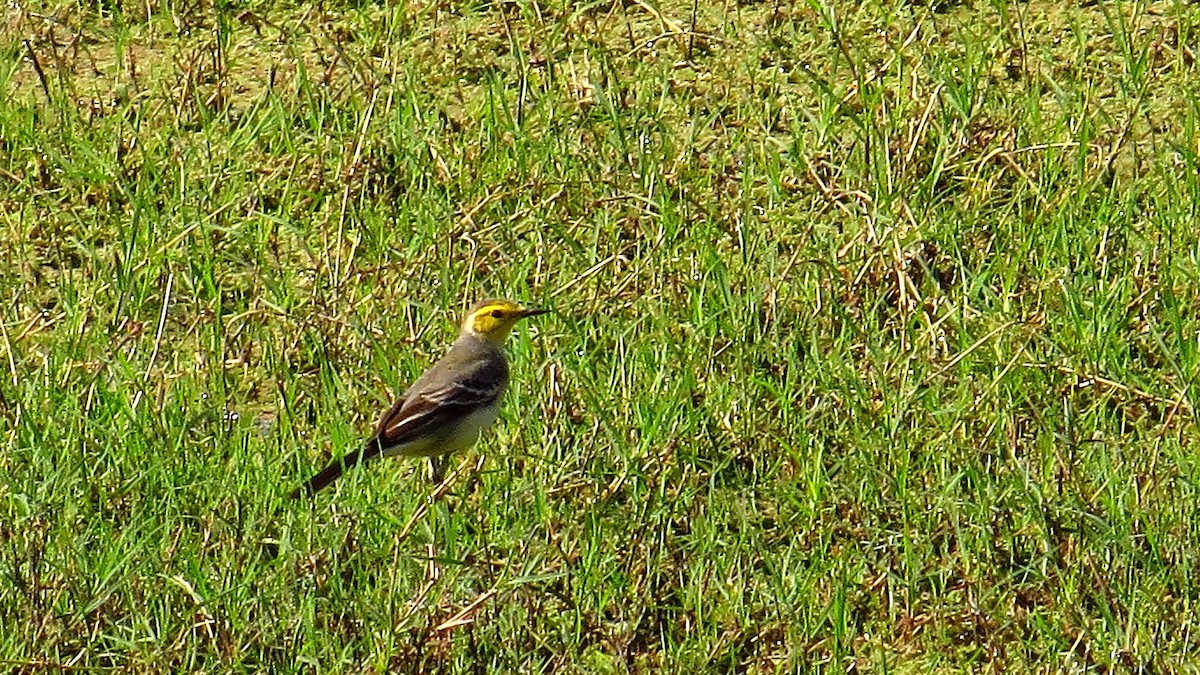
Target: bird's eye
(496, 314)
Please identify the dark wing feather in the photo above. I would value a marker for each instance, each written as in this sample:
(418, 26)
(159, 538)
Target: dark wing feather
(427, 408)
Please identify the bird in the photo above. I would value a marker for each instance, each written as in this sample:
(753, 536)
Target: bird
(448, 407)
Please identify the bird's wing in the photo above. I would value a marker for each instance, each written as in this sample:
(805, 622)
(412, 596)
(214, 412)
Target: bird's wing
(424, 408)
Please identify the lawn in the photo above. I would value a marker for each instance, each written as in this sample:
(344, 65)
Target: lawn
(872, 348)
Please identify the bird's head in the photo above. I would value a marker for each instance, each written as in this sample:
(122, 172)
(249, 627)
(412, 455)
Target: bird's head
(492, 319)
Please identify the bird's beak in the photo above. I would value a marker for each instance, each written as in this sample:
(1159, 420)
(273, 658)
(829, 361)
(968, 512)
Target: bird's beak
(532, 311)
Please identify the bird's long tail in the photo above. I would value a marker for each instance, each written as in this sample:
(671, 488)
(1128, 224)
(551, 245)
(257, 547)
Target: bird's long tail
(335, 469)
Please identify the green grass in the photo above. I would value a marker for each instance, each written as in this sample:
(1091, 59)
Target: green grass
(873, 351)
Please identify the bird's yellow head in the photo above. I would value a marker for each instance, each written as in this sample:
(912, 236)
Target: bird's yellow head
(492, 319)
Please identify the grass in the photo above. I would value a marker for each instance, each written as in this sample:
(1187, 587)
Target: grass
(874, 339)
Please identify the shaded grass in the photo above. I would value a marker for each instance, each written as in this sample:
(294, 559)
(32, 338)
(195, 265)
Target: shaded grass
(873, 345)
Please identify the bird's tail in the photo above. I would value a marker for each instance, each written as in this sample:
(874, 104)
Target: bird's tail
(335, 469)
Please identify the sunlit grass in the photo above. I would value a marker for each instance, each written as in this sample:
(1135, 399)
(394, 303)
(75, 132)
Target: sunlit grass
(872, 348)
